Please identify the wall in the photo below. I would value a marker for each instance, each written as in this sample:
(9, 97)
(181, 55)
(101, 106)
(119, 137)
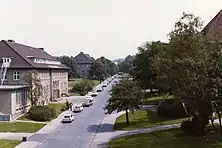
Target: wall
(5, 102)
(84, 70)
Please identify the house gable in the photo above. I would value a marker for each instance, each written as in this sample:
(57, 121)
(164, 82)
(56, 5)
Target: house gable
(213, 29)
(17, 60)
(82, 58)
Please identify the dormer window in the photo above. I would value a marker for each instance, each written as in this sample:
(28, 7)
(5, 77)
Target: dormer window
(6, 60)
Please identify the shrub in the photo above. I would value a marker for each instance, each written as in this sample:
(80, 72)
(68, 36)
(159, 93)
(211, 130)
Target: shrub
(171, 109)
(42, 113)
(193, 126)
(83, 87)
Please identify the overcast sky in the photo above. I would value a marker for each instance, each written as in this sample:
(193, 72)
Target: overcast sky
(110, 28)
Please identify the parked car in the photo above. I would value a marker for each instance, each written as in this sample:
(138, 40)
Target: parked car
(77, 107)
(87, 103)
(89, 98)
(99, 89)
(68, 118)
(104, 84)
(93, 94)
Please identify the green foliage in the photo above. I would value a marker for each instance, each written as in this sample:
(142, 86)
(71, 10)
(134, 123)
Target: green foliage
(103, 68)
(67, 106)
(33, 83)
(126, 95)
(126, 66)
(42, 113)
(70, 63)
(171, 109)
(83, 87)
(142, 70)
(190, 67)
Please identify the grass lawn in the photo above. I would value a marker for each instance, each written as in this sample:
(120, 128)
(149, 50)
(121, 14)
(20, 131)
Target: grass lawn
(140, 120)
(173, 138)
(78, 80)
(8, 143)
(20, 127)
(57, 107)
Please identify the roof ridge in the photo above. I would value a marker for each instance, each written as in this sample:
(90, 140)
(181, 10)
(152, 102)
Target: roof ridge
(18, 53)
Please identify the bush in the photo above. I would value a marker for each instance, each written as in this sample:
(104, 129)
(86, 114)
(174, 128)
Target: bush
(193, 126)
(83, 87)
(42, 113)
(171, 109)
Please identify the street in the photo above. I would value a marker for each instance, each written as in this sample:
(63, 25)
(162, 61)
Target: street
(80, 133)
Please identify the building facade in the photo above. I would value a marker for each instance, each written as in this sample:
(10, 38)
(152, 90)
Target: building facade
(84, 64)
(53, 75)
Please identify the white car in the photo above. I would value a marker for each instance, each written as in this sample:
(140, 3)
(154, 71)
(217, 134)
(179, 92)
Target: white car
(68, 118)
(77, 108)
(104, 84)
(89, 98)
(99, 89)
(87, 103)
(93, 94)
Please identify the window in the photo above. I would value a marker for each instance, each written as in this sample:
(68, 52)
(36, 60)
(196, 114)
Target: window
(16, 76)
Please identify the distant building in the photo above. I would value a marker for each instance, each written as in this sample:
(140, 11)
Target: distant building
(213, 29)
(21, 59)
(84, 63)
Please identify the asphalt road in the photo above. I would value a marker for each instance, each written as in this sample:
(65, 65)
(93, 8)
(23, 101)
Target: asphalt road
(79, 133)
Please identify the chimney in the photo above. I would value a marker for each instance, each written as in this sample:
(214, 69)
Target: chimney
(11, 41)
(41, 48)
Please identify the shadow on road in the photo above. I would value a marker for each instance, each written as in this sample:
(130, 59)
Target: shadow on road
(102, 128)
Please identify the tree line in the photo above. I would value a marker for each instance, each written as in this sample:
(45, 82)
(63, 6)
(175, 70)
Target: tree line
(189, 67)
(101, 68)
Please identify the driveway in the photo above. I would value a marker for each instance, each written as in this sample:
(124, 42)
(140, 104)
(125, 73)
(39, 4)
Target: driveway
(81, 132)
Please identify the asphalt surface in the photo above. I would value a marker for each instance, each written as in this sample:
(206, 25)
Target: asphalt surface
(81, 132)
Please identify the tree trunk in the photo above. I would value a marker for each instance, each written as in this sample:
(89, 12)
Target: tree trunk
(127, 117)
(218, 113)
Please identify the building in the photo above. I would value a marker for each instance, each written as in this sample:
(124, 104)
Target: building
(14, 101)
(84, 63)
(213, 29)
(53, 75)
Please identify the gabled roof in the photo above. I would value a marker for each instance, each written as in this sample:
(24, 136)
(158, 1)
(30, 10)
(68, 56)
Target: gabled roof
(83, 58)
(28, 53)
(214, 28)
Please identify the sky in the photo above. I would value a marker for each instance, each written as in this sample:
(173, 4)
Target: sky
(110, 28)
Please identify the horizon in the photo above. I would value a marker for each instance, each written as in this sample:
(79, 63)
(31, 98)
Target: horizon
(113, 29)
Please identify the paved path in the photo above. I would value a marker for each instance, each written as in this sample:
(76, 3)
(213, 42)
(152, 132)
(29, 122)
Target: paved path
(14, 136)
(78, 134)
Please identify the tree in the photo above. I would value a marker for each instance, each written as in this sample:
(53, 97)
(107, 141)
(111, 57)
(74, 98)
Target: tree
(98, 70)
(126, 66)
(125, 96)
(142, 70)
(189, 67)
(70, 63)
(33, 83)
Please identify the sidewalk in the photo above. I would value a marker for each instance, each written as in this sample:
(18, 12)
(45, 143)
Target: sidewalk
(106, 132)
(42, 133)
(14, 136)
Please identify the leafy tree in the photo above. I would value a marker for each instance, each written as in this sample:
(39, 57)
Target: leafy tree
(69, 62)
(33, 83)
(126, 95)
(98, 70)
(189, 67)
(102, 68)
(126, 66)
(142, 70)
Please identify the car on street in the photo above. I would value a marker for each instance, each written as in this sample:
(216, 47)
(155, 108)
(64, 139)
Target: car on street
(104, 84)
(77, 107)
(68, 118)
(93, 94)
(87, 103)
(99, 89)
(89, 98)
